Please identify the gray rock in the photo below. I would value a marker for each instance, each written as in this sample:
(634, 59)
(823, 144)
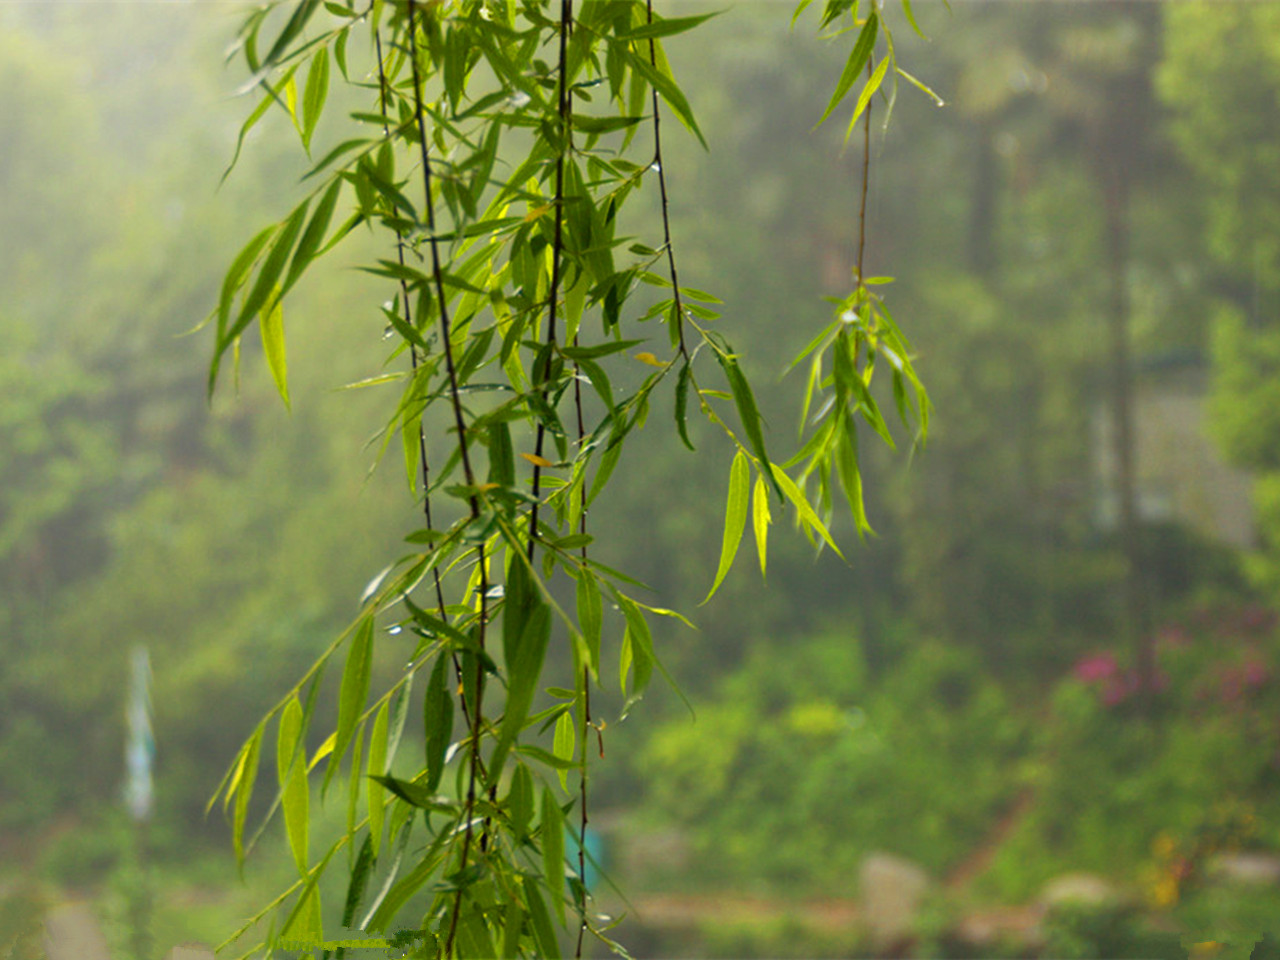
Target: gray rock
(190, 951)
(1087, 889)
(891, 889)
(71, 932)
(1247, 868)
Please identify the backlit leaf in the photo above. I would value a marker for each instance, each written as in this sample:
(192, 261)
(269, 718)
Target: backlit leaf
(760, 519)
(272, 324)
(735, 518)
(291, 763)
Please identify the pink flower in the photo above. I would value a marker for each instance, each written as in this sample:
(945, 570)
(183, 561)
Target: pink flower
(1098, 667)
(1255, 673)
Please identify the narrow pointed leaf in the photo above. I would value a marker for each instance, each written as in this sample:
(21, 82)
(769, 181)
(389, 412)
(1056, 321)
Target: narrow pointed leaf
(314, 94)
(291, 763)
(377, 768)
(808, 516)
(735, 518)
(272, 324)
(437, 720)
(354, 690)
(243, 789)
(760, 520)
(553, 850)
(563, 745)
(858, 57)
(590, 617)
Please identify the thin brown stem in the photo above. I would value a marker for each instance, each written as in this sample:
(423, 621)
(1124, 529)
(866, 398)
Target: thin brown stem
(662, 189)
(413, 350)
(473, 502)
(564, 107)
(582, 800)
(866, 180)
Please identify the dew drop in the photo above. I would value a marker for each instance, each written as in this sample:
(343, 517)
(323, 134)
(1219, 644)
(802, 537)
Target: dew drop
(394, 630)
(656, 167)
(519, 99)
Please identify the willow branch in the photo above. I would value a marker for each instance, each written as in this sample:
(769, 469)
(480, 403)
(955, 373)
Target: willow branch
(662, 189)
(413, 349)
(473, 502)
(557, 255)
(866, 180)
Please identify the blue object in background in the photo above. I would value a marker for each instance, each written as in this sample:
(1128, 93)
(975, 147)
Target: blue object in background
(595, 859)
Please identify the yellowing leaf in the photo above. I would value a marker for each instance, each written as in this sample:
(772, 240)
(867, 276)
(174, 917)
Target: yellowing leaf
(322, 751)
(537, 212)
(537, 461)
(651, 360)
(760, 520)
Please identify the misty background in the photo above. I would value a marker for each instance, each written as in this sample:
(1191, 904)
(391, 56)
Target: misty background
(1015, 684)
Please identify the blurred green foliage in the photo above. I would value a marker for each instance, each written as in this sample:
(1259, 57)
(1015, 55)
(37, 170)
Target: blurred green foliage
(795, 771)
(232, 540)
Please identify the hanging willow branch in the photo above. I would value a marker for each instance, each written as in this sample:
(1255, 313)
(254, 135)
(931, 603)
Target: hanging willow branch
(469, 851)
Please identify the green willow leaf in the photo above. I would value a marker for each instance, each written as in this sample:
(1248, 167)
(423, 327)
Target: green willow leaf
(377, 767)
(563, 746)
(272, 324)
(735, 518)
(868, 91)
(313, 236)
(242, 788)
(553, 850)
(360, 872)
(512, 924)
(520, 802)
(353, 692)
(268, 274)
(760, 520)
(590, 617)
(291, 763)
(664, 28)
(858, 58)
(437, 720)
(682, 404)
(669, 92)
(748, 412)
(807, 514)
(524, 669)
(314, 94)
(543, 932)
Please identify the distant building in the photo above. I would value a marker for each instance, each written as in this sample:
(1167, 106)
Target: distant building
(1181, 474)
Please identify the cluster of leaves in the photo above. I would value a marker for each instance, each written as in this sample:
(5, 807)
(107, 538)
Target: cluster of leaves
(497, 164)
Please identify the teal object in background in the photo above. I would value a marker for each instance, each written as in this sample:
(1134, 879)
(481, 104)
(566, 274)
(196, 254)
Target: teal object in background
(595, 855)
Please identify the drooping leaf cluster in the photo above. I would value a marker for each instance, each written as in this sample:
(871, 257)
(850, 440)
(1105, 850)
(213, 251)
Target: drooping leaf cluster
(495, 155)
